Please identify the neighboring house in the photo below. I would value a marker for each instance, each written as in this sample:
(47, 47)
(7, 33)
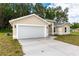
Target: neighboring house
(75, 30)
(33, 26)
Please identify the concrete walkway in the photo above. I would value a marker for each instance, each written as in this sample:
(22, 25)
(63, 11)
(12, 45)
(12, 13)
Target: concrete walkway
(48, 47)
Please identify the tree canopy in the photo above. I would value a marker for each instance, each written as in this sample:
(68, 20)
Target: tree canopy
(75, 25)
(10, 11)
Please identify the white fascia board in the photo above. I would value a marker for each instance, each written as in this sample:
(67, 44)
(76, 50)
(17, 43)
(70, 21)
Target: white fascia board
(30, 25)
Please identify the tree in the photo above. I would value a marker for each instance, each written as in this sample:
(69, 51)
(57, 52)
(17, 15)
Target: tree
(57, 14)
(40, 10)
(75, 25)
(2, 6)
(61, 15)
(11, 11)
(50, 13)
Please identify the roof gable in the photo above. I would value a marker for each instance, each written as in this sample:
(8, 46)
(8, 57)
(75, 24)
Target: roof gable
(20, 18)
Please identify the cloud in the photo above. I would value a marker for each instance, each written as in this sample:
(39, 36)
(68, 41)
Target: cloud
(73, 13)
(72, 20)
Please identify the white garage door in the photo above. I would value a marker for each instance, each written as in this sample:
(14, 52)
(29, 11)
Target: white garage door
(24, 31)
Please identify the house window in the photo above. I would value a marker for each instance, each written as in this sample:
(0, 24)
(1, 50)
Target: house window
(65, 29)
(49, 25)
(14, 26)
(54, 29)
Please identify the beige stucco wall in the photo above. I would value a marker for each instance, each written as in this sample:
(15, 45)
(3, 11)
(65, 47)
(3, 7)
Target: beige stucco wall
(52, 28)
(61, 30)
(68, 29)
(30, 20)
(56, 30)
(14, 32)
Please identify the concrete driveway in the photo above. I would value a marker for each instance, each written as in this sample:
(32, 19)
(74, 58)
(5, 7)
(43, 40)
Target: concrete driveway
(48, 47)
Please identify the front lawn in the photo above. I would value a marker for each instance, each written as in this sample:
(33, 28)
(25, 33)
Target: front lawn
(69, 39)
(74, 33)
(73, 38)
(8, 46)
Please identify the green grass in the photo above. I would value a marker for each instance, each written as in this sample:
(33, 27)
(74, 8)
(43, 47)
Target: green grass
(74, 33)
(73, 38)
(8, 46)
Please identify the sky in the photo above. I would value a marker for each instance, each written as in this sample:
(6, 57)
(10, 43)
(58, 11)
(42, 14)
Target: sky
(73, 13)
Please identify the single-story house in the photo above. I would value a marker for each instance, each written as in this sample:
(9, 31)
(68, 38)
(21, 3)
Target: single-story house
(75, 30)
(33, 26)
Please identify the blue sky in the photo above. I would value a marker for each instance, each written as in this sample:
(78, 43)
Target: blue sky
(73, 14)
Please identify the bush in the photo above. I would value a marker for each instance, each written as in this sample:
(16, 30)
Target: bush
(8, 34)
(5, 30)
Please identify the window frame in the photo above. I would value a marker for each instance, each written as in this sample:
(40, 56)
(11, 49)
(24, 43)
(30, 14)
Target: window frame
(14, 26)
(54, 29)
(65, 29)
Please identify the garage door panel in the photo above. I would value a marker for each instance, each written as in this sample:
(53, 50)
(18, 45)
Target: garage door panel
(30, 31)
